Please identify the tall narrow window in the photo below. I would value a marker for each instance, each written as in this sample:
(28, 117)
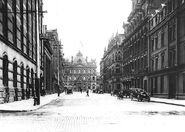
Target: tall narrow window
(10, 21)
(5, 70)
(22, 82)
(145, 62)
(152, 65)
(162, 60)
(32, 82)
(119, 56)
(152, 45)
(169, 6)
(162, 84)
(156, 84)
(156, 63)
(174, 30)
(15, 80)
(162, 39)
(171, 32)
(156, 42)
(27, 82)
(1, 16)
(15, 74)
(172, 58)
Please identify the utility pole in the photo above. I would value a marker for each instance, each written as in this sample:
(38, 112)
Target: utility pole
(37, 79)
(58, 69)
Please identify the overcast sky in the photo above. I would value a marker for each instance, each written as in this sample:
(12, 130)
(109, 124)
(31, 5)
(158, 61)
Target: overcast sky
(86, 25)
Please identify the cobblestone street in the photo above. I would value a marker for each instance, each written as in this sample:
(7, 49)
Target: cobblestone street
(97, 113)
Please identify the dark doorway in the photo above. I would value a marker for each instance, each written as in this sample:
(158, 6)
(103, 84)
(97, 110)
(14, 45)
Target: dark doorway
(172, 85)
(118, 86)
(145, 85)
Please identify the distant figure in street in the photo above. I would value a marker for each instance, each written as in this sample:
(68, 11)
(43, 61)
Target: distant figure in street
(87, 92)
(58, 89)
(81, 90)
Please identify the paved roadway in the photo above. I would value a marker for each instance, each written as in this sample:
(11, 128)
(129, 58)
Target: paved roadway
(96, 113)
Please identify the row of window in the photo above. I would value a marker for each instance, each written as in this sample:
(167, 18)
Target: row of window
(157, 41)
(167, 8)
(113, 58)
(79, 71)
(155, 62)
(156, 82)
(83, 78)
(18, 24)
(135, 22)
(135, 48)
(29, 77)
(135, 66)
(114, 71)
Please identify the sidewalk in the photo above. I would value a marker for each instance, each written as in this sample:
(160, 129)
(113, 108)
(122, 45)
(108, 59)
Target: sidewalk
(27, 105)
(168, 101)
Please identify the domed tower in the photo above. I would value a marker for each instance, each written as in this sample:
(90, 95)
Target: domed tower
(79, 59)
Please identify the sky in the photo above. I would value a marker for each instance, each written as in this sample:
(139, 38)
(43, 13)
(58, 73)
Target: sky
(86, 25)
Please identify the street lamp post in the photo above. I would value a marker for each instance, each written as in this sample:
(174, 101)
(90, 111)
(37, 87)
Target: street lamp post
(58, 69)
(37, 79)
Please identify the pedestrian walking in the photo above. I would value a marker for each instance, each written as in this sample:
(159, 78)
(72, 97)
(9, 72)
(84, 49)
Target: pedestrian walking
(87, 92)
(58, 89)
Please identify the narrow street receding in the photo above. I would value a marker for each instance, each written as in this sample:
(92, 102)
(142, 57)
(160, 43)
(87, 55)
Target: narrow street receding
(97, 113)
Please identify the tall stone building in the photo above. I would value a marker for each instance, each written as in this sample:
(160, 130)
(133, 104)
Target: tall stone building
(80, 73)
(111, 65)
(167, 50)
(18, 52)
(55, 63)
(153, 49)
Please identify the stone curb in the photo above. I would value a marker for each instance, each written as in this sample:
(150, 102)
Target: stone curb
(162, 102)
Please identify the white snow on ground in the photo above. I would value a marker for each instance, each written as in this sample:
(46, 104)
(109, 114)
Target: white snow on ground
(25, 105)
(97, 113)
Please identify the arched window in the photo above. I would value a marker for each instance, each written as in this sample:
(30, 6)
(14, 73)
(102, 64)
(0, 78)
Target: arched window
(27, 82)
(119, 55)
(15, 74)
(15, 79)
(118, 69)
(22, 81)
(5, 70)
(32, 82)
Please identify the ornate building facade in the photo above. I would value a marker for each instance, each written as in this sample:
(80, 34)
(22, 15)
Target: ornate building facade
(135, 45)
(167, 50)
(153, 49)
(111, 65)
(80, 73)
(18, 52)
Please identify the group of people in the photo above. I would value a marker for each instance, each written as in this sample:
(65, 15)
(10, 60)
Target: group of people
(59, 91)
(87, 91)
